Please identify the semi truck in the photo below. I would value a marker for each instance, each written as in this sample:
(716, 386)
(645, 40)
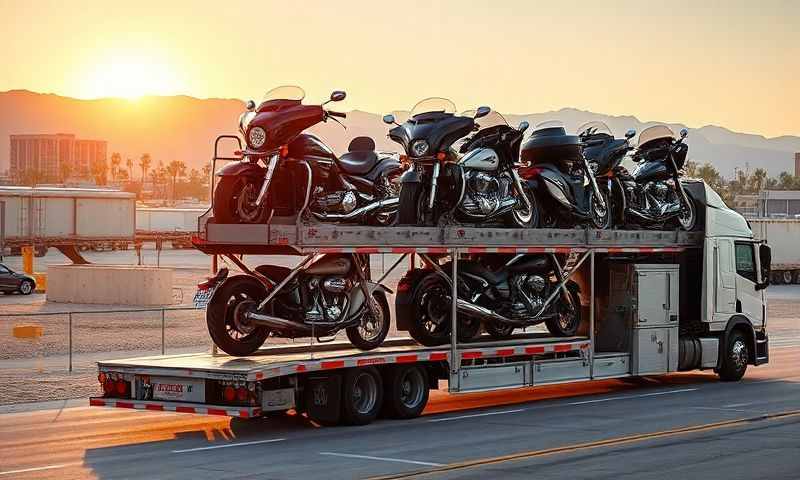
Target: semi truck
(177, 225)
(653, 302)
(783, 236)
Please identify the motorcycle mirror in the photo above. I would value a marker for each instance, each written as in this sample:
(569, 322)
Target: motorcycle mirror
(388, 119)
(630, 134)
(684, 132)
(523, 125)
(338, 95)
(482, 112)
(250, 105)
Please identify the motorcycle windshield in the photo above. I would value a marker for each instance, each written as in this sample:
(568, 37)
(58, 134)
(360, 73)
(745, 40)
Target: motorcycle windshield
(493, 119)
(434, 105)
(286, 92)
(548, 124)
(655, 133)
(593, 128)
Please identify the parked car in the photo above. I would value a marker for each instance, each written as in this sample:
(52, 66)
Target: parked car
(11, 281)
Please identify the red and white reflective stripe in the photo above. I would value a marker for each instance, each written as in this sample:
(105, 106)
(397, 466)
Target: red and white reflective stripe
(173, 407)
(494, 249)
(376, 249)
(524, 249)
(426, 356)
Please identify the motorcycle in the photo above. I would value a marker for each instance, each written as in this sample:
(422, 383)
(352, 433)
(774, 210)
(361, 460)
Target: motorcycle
(562, 181)
(301, 174)
(499, 292)
(427, 137)
(324, 295)
(652, 195)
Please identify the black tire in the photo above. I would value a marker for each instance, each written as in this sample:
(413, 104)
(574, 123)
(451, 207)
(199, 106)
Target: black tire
(688, 217)
(361, 339)
(362, 395)
(26, 287)
(229, 302)
(406, 391)
(430, 324)
(230, 205)
(566, 323)
(409, 204)
(519, 219)
(735, 358)
(788, 277)
(601, 219)
(499, 331)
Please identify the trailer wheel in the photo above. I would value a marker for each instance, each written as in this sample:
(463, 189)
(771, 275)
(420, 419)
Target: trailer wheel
(362, 395)
(735, 358)
(406, 392)
(787, 277)
(797, 277)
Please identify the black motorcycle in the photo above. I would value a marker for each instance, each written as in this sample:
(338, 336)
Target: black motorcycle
(434, 183)
(652, 195)
(326, 295)
(302, 175)
(562, 181)
(500, 292)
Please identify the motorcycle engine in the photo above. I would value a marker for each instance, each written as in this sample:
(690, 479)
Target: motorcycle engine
(659, 190)
(329, 299)
(528, 294)
(336, 202)
(483, 193)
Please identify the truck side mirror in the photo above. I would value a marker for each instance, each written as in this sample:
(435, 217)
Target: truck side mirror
(765, 257)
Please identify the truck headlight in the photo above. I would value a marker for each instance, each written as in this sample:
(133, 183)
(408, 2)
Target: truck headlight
(256, 137)
(419, 148)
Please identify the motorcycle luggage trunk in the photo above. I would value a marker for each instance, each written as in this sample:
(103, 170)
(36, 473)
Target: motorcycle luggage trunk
(551, 145)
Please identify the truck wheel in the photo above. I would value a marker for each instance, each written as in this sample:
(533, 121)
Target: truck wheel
(362, 395)
(735, 358)
(406, 392)
(228, 327)
(787, 277)
(797, 277)
(777, 278)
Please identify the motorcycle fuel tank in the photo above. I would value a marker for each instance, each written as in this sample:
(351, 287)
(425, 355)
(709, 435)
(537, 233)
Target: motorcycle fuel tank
(484, 159)
(330, 266)
(651, 172)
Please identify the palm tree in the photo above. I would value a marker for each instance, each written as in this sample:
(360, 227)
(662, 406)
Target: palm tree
(758, 180)
(129, 164)
(175, 169)
(144, 163)
(116, 160)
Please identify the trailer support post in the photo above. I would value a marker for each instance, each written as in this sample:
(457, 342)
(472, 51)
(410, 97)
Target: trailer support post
(70, 340)
(163, 342)
(591, 315)
(455, 363)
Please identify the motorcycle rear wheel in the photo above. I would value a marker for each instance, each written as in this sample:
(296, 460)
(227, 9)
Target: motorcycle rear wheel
(232, 201)
(431, 321)
(224, 316)
(370, 335)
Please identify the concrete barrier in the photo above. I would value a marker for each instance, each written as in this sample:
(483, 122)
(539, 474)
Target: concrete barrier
(109, 284)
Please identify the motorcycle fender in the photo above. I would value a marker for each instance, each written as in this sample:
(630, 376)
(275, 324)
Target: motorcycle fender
(357, 296)
(404, 300)
(243, 168)
(387, 165)
(555, 189)
(411, 176)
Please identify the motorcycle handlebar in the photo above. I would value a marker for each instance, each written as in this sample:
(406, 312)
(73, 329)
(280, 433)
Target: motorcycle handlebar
(337, 114)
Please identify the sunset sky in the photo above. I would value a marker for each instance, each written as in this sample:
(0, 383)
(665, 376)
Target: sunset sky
(735, 63)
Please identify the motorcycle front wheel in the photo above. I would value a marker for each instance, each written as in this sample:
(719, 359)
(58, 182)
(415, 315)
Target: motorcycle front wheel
(523, 216)
(568, 317)
(601, 216)
(407, 209)
(688, 216)
(229, 328)
(234, 198)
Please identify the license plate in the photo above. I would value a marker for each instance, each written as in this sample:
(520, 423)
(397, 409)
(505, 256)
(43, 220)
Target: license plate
(202, 297)
(178, 390)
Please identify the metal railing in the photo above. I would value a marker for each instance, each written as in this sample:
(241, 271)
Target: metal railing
(71, 313)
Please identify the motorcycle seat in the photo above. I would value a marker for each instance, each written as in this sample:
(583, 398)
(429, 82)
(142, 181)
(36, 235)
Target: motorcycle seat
(360, 158)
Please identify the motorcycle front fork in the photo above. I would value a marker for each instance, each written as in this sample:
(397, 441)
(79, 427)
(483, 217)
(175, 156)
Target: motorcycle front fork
(262, 194)
(434, 181)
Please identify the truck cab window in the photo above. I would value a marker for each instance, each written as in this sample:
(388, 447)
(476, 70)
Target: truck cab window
(745, 261)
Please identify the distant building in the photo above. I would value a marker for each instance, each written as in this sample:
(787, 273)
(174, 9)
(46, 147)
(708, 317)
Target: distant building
(779, 203)
(746, 204)
(47, 153)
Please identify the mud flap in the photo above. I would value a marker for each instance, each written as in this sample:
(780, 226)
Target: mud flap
(323, 398)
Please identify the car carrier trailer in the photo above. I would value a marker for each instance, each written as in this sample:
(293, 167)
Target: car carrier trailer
(657, 302)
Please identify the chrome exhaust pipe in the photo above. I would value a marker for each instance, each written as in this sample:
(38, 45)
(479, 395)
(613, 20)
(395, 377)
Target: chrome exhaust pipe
(380, 204)
(476, 311)
(277, 323)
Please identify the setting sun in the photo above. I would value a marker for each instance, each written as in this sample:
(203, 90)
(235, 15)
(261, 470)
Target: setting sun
(129, 76)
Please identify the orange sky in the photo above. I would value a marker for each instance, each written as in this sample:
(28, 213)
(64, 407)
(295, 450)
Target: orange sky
(732, 63)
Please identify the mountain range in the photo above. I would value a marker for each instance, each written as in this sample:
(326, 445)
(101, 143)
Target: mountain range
(184, 128)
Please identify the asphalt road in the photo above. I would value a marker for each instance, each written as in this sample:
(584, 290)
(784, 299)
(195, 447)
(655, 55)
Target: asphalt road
(688, 425)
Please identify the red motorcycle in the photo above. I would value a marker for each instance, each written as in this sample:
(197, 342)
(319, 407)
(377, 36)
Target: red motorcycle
(301, 175)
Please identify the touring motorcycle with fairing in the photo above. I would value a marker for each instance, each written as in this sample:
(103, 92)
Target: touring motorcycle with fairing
(652, 195)
(326, 294)
(301, 175)
(499, 292)
(479, 187)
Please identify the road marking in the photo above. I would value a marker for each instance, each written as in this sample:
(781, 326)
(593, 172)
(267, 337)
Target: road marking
(737, 405)
(611, 442)
(723, 409)
(228, 445)
(626, 397)
(485, 414)
(382, 459)
(38, 469)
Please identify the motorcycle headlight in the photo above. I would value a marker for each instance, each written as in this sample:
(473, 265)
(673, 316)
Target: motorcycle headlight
(419, 148)
(256, 137)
